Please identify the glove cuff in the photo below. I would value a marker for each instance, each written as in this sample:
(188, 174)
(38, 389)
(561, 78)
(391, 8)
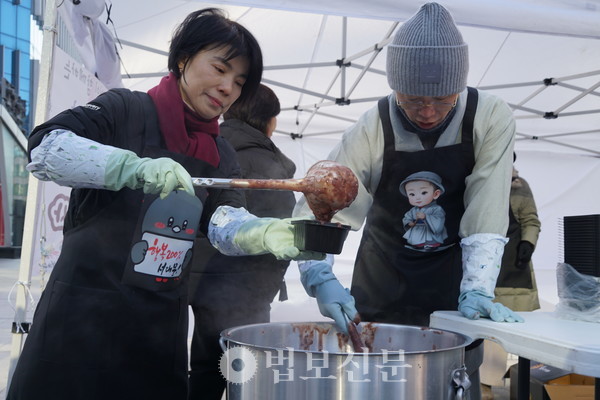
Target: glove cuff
(473, 293)
(481, 262)
(85, 166)
(223, 228)
(121, 170)
(314, 273)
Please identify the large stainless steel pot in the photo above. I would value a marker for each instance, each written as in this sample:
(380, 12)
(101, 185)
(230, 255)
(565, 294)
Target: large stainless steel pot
(314, 361)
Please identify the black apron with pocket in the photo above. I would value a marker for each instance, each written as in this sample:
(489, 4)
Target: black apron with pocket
(112, 322)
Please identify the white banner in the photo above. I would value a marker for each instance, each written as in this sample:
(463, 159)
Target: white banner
(71, 85)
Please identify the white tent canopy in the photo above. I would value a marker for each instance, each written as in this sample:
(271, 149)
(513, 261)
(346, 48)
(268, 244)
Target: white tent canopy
(326, 62)
(575, 18)
(327, 66)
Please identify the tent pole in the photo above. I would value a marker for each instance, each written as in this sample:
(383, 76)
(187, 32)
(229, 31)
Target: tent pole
(577, 88)
(313, 56)
(544, 139)
(24, 279)
(577, 76)
(342, 63)
(578, 97)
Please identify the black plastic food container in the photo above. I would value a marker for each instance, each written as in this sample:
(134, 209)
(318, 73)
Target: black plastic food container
(318, 236)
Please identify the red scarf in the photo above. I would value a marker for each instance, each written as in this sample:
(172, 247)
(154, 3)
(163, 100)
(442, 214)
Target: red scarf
(183, 130)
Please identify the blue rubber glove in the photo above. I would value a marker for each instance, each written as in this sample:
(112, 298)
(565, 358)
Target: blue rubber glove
(161, 175)
(482, 258)
(335, 302)
(476, 304)
(333, 299)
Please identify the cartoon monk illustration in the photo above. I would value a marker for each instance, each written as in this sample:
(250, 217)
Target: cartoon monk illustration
(425, 221)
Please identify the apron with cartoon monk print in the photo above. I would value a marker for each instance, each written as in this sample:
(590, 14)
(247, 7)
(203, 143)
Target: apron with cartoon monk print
(409, 260)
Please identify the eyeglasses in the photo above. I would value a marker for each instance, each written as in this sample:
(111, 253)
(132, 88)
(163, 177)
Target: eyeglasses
(440, 106)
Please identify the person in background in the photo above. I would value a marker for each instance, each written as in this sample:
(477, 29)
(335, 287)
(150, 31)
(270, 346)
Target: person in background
(516, 287)
(112, 322)
(430, 122)
(233, 291)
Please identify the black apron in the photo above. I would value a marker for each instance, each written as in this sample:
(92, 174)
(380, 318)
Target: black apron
(121, 333)
(394, 282)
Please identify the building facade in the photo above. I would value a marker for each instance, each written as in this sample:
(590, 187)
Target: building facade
(18, 72)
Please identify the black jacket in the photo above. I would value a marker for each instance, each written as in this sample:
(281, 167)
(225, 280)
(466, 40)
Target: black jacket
(259, 158)
(234, 291)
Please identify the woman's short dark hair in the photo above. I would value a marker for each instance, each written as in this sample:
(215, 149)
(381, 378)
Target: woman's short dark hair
(209, 29)
(258, 112)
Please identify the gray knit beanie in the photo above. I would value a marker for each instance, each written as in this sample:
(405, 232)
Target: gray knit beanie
(428, 56)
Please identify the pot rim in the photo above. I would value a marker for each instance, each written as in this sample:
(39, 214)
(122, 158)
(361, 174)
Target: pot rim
(224, 336)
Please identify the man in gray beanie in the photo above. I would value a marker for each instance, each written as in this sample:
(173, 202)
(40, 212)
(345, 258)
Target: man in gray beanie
(428, 56)
(430, 122)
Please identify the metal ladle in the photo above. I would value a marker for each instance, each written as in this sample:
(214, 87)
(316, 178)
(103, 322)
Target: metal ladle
(328, 187)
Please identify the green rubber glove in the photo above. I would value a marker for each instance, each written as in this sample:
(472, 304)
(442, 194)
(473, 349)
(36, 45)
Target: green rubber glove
(272, 235)
(155, 175)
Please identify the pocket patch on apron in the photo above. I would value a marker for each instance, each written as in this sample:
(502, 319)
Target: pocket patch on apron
(162, 246)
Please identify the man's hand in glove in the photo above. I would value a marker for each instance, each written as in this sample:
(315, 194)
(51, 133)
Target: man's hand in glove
(160, 175)
(524, 253)
(476, 304)
(482, 257)
(333, 300)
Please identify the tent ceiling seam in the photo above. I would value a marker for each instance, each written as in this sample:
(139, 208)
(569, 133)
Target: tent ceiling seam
(493, 59)
(314, 53)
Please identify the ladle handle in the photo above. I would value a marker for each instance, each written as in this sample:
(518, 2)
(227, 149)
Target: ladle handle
(264, 184)
(212, 182)
(355, 339)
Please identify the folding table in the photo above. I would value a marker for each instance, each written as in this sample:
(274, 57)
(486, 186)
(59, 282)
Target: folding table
(570, 345)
